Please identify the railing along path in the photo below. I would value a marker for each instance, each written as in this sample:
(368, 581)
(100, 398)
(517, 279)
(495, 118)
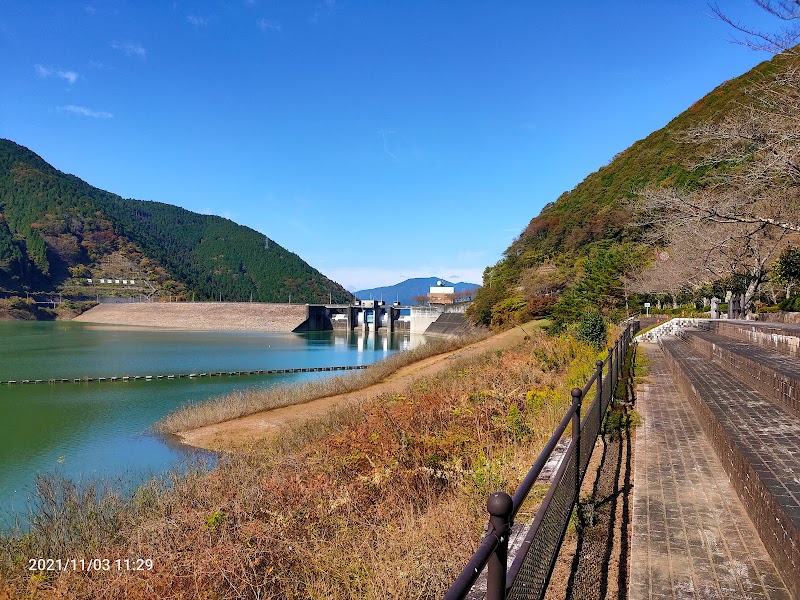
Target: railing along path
(530, 572)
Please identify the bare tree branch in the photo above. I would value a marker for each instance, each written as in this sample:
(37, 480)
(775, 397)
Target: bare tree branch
(774, 43)
(748, 202)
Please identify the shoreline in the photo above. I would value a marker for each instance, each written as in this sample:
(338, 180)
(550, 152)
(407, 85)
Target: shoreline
(236, 434)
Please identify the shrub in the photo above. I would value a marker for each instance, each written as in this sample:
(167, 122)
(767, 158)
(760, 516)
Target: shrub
(768, 309)
(790, 304)
(592, 329)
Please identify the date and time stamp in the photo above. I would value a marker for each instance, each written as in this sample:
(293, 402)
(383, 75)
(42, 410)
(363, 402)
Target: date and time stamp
(90, 564)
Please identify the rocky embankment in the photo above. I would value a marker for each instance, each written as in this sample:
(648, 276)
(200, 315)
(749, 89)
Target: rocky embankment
(241, 316)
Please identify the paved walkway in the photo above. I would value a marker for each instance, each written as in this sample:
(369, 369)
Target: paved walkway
(691, 536)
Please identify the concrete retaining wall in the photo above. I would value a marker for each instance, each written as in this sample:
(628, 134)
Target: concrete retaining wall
(422, 317)
(452, 324)
(318, 320)
(779, 387)
(779, 317)
(671, 327)
(774, 338)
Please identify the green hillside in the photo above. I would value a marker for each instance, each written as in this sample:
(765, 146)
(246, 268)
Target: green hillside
(577, 251)
(57, 231)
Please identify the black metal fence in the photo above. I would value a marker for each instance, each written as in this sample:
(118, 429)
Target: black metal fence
(530, 572)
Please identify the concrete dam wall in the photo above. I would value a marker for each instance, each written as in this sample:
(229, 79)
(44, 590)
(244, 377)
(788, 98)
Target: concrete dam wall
(257, 316)
(242, 316)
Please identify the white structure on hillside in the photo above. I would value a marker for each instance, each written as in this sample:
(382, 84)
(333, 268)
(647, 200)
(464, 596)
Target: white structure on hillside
(442, 294)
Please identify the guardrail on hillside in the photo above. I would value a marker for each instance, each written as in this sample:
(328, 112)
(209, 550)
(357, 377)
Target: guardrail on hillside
(530, 572)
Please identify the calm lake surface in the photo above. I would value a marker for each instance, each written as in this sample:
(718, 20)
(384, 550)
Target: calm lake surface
(85, 430)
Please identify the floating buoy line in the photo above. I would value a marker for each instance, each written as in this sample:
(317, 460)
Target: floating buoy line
(124, 378)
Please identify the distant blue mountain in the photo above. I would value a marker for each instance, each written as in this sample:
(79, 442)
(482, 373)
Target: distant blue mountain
(408, 289)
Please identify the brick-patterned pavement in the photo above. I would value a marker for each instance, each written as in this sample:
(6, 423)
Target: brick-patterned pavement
(773, 373)
(780, 362)
(691, 536)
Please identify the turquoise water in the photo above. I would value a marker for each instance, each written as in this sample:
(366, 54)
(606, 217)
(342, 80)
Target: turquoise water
(85, 430)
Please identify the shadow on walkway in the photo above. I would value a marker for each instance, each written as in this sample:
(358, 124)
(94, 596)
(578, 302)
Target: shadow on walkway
(600, 544)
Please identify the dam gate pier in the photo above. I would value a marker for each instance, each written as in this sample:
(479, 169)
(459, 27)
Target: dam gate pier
(374, 315)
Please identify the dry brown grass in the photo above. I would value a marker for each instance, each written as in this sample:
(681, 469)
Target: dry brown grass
(385, 500)
(247, 402)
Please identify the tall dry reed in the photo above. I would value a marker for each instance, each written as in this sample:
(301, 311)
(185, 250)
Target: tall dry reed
(247, 402)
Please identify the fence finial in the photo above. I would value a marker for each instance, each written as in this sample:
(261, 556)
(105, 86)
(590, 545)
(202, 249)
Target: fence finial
(500, 504)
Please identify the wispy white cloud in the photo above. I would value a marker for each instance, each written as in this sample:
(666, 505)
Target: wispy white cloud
(90, 10)
(197, 21)
(267, 25)
(69, 76)
(324, 9)
(383, 133)
(130, 49)
(101, 66)
(249, 2)
(85, 111)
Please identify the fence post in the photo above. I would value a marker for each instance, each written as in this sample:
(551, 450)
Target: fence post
(577, 394)
(500, 506)
(599, 365)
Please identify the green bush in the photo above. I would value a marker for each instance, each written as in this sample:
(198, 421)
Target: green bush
(592, 329)
(768, 309)
(790, 304)
(20, 303)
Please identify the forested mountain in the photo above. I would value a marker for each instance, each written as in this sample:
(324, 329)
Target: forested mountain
(57, 232)
(591, 247)
(407, 290)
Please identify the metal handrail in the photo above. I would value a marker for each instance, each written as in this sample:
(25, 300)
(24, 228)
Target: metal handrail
(530, 479)
(503, 508)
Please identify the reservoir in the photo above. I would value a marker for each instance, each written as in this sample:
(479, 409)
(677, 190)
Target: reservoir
(102, 429)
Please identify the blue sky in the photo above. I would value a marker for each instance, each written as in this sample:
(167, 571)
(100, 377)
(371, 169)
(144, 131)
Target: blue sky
(377, 140)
